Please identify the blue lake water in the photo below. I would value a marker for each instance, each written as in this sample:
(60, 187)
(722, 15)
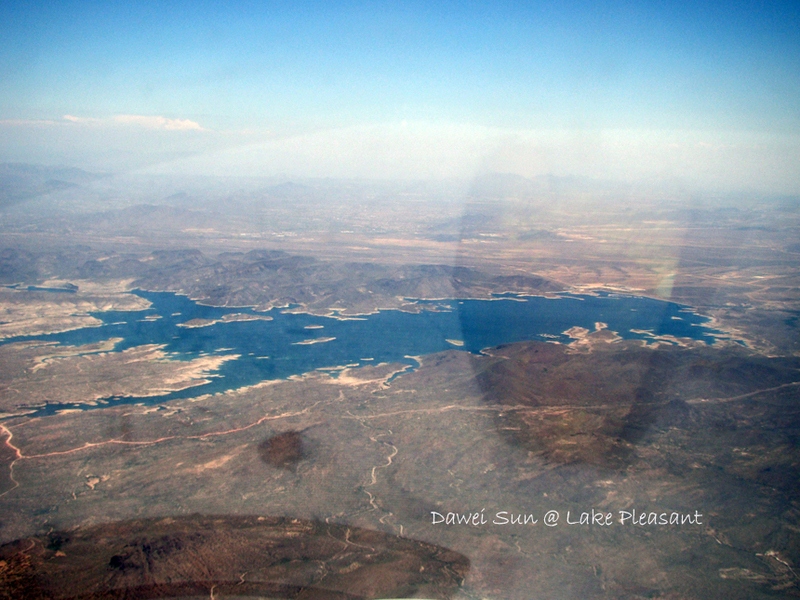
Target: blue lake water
(274, 349)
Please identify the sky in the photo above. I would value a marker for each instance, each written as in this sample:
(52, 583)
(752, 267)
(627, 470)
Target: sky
(703, 92)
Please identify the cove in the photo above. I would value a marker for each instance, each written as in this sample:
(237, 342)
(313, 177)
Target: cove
(292, 343)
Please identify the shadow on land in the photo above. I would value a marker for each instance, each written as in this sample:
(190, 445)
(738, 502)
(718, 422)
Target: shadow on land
(592, 406)
(218, 556)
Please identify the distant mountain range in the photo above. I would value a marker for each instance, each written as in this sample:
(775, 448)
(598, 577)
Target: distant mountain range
(20, 182)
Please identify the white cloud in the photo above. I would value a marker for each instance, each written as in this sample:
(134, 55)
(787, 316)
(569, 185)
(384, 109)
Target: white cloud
(158, 122)
(144, 121)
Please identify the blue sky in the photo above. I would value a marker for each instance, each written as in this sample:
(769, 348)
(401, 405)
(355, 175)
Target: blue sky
(171, 85)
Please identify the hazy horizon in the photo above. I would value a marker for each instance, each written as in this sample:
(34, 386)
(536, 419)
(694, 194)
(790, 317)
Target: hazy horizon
(702, 94)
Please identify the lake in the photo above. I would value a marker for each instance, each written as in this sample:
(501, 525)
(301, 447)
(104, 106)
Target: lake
(293, 343)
